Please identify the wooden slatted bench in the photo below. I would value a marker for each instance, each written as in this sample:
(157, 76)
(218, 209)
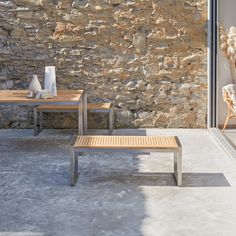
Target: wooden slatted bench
(111, 144)
(91, 107)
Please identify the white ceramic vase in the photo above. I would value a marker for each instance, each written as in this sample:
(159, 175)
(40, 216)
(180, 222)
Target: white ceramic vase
(34, 85)
(50, 79)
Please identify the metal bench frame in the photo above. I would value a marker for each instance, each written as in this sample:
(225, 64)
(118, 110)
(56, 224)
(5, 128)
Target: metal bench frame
(109, 111)
(76, 152)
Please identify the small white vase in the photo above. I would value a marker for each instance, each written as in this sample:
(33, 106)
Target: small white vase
(35, 85)
(50, 79)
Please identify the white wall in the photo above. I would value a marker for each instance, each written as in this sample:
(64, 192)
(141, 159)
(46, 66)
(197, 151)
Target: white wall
(227, 18)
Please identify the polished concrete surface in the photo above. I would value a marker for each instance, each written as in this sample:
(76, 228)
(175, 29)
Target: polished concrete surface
(116, 195)
(231, 135)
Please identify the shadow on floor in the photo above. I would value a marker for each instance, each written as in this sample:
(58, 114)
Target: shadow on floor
(168, 179)
(130, 132)
(205, 180)
(36, 198)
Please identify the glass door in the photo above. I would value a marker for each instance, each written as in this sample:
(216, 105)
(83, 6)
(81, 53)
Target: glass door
(226, 52)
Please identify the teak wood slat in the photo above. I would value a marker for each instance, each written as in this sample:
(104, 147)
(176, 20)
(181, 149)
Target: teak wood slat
(90, 106)
(127, 142)
(19, 96)
(64, 97)
(110, 144)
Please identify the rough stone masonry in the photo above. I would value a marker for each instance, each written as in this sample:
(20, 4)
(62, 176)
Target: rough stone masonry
(148, 56)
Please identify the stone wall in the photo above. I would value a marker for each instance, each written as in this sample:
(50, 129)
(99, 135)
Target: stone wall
(148, 56)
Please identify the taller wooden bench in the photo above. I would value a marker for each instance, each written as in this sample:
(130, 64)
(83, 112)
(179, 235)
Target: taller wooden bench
(111, 144)
(91, 107)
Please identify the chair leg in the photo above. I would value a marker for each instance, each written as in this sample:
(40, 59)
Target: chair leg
(111, 121)
(226, 122)
(73, 167)
(35, 122)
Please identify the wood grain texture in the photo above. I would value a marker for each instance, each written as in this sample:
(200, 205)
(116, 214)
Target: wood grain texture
(90, 106)
(19, 96)
(127, 142)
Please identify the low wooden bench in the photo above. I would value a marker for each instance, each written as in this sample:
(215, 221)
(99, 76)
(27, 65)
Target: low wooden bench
(91, 107)
(111, 144)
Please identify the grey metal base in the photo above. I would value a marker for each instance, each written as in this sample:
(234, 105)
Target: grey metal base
(39, 128)
(75, 153)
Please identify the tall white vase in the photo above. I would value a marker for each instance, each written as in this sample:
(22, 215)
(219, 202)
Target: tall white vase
(50, 79)
(34, 85)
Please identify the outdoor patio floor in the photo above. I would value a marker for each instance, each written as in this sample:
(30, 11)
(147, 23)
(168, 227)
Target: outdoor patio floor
(231, 134)
(111, 198)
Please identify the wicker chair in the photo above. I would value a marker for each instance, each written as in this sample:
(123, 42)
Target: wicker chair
(229, 93)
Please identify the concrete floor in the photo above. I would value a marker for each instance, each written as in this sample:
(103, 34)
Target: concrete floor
(111, 199)
(231, 134)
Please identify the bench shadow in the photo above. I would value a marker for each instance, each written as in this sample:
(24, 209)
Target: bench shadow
(167, 179)
(130, 132)
(35, 171)
(205, 180)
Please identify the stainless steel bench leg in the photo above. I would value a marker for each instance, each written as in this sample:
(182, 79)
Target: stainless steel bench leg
(80, 118)
(85, 113)
(175, 165)
(40, 120)
(73, 167)
(35, 122)
(178, 167)
(111, 120)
